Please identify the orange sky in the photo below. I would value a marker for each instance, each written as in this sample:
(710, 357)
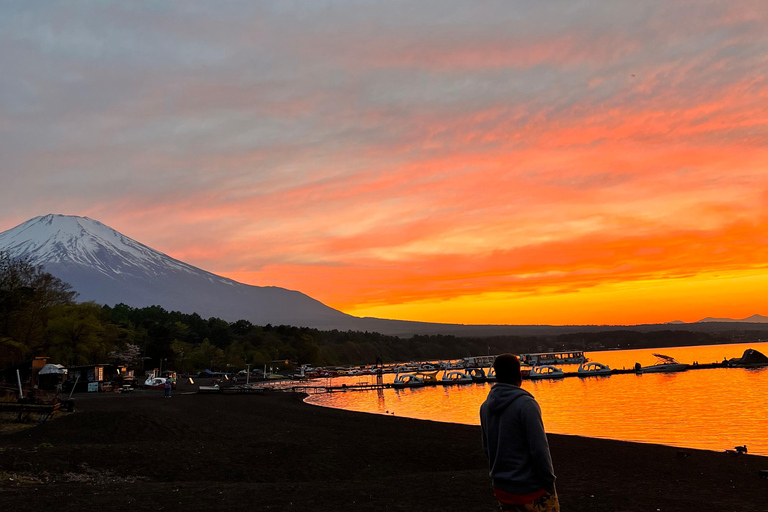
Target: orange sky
(441, 161)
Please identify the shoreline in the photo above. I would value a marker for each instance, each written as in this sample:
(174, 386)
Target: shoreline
(548, 433)
(276, 452)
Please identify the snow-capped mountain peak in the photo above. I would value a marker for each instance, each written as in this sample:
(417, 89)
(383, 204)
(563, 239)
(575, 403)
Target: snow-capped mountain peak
(108, 267)
(72, 240)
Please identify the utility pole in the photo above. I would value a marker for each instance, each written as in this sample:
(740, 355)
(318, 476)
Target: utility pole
(248, 375)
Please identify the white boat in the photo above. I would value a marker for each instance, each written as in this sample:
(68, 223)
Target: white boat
(455, 377)
(593, 368)
(664, 364)
(408, 381)
(155, 383)
(476, 374)
(546, 371)
(569, 357)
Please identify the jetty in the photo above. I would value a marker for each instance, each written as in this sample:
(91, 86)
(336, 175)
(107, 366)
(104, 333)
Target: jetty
(474, 367)
(312, 387)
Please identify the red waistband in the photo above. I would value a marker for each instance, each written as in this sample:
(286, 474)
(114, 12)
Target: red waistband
(518, 499)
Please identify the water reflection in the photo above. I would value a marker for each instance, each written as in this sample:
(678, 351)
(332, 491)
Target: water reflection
(711, 409)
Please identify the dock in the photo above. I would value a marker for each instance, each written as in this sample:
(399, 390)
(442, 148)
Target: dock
(313, 388)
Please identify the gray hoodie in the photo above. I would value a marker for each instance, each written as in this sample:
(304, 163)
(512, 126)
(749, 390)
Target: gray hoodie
(514, 441)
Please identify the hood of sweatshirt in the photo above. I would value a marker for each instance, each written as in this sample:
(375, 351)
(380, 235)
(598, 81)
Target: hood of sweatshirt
(503, 395)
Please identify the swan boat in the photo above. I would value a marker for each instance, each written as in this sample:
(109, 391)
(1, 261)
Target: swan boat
(477, 374)
(415, 380)
(455, 377)
(155, 383)
(593, 368)
(408, 381)
(546, 371)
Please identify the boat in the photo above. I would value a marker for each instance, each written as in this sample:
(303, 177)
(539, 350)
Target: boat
(491, 376)
(569, 357)
(155, 383)
(208, 389)
(408, 381)
(429, 378)
(546, 371)
(750, 359)
(664, 364)
(593, 368)
(476, 374)
(478, 361)
(455, 377)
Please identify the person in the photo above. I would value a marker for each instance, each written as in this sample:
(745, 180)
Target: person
(167, 388)
(515, 443)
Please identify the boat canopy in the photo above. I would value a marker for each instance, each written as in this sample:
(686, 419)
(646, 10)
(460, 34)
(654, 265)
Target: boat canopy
(666, 359)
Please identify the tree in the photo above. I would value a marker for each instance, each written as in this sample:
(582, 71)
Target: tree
(129, 355)
(27, 295)
(206, 355)
(77, 334)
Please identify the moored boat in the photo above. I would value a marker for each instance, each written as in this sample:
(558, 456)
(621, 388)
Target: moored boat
(593, 368)
(545, 358)
(455, 377)
(408, 381)
(476, 374)
(546, 371)
(664, 364)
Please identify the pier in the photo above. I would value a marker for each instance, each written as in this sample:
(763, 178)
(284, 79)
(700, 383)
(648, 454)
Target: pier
(317, 388)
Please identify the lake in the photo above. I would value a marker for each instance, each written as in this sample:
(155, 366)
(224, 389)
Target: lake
(712, 409)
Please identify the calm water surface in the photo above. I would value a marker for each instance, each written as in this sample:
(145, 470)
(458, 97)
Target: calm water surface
(713, 409)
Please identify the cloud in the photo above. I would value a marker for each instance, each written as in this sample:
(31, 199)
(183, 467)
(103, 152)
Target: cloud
(400, 151)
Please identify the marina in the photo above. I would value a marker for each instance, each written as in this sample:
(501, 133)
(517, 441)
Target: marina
(720, 403)
(412, 377)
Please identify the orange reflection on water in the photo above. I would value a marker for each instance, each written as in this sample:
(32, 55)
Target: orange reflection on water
(713, 409)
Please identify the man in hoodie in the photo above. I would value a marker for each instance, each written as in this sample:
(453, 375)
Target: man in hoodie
(515, 443)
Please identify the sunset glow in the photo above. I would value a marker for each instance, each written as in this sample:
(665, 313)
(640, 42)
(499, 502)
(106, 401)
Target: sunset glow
(494, 163)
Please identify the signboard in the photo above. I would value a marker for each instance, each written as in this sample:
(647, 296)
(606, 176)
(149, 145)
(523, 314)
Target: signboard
(93, 386)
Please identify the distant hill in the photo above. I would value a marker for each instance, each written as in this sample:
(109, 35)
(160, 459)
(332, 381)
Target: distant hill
(755, 319)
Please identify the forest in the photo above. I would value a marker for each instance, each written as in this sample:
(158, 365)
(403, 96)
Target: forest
(39, 315)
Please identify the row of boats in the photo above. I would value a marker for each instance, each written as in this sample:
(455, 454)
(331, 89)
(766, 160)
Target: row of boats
(664, 364)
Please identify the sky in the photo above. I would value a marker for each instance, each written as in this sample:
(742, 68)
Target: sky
(480, 162)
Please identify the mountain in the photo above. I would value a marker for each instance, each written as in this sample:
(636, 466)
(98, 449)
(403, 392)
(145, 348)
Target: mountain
(754, 319)
(109, 268)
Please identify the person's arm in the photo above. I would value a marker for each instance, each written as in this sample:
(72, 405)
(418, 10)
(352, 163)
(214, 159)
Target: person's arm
(483, 433)
(538, 445)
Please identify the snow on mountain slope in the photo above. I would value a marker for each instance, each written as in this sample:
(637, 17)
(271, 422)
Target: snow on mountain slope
(108, 267)
(70, 240)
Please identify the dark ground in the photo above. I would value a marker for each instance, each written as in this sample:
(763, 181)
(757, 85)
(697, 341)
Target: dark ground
(273, 452)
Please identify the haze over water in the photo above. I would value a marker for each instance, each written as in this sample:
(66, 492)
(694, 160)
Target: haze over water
(712, 409)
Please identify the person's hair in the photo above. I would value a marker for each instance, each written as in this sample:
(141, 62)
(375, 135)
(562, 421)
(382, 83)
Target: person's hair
(507, 368)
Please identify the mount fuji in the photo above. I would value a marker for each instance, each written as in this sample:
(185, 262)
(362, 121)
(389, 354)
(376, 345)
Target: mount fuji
(108, 267)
